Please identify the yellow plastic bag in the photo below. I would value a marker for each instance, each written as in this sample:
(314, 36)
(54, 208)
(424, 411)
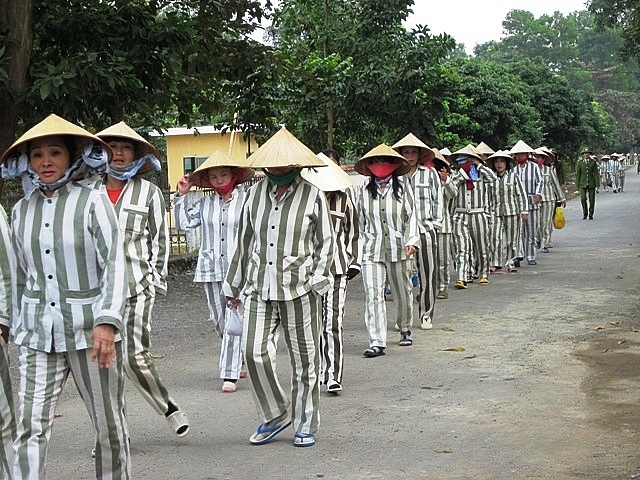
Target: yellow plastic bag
(559, 220)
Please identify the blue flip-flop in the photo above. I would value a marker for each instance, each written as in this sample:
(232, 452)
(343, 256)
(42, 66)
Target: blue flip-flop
(304, 440)
(266, 433)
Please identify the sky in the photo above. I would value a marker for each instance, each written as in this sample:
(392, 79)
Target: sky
(478, 21)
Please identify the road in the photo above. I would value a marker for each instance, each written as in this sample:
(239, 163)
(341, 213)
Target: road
(533, 376)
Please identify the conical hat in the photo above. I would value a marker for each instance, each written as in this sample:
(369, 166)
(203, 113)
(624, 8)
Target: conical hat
(283, 150)
(445, 152)
(384, 151)
(439, 160)
(122, 130)
(468, 150)
(521, 147)
(329, 179)
(542, 151)
(218, 159)
(501, 154)
(485, 149)
(410, 140)
(52, 125)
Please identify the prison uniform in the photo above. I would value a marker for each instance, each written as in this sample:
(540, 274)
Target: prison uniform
(218, 220)
(551, 194)
(71, 278)
(533, 183)
(427, 193)
(621, 175)
(7, 299)
(509, 204)
(282, 264)
(469, 221)
(445, 241)
(347, 236)
(387, 226)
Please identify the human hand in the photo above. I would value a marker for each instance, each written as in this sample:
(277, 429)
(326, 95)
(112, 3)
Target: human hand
(184, 185)
(524, 217)
(410, 250)
(352, 272)
(233, 302)
(104, 347)
(537, 199)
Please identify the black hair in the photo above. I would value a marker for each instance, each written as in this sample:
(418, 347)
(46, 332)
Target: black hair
(396, 184)
(332, 154)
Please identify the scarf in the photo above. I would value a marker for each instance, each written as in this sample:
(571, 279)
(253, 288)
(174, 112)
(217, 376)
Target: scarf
(383, 170)
(470, 169)
(284, 179)
(129, 171)
(229, 186)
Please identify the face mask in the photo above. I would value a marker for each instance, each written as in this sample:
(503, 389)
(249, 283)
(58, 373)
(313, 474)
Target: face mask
(461, 159)
(383, 170)
(522, 160)
(283, 179)
(229, 186)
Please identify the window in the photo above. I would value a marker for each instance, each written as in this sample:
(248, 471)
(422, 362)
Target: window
(190, 164)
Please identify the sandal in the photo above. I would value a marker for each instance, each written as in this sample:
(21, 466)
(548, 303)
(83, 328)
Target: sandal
(304, 440)
(265, 432)
(374, 351)
(178, 423)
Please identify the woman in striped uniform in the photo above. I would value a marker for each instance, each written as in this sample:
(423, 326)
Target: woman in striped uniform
(445, 240)
(218, 215)
(140, 208)
(7, 293)
(389, 229)
(281, 267)
(427, 193)
(552, 195)
(510, 211)
(336, 185)
(71, 293)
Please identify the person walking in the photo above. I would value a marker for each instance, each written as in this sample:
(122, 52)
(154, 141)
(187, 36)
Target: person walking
(218, 215)
(389, 230)
(552, 196)
(140, 208)
(279, 271)
(444, 235)
(71, 292)
(587, 180)
(336, 184)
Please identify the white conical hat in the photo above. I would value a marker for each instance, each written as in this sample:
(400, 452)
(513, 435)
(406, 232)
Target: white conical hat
(521, 147)
(122, 130)
(410, 140)
(218, 159)
(384, 151)
(283, 150)
(328, 179)
(445, 151)
(469, 150)
(485, 149)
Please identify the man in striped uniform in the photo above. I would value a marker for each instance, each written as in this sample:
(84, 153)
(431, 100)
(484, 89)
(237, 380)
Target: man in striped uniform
(140, 208)
(468, 185)
(533, 183)
(71, 284)
(427, 193)
(552, 194)
(7, 293)
(282, 265)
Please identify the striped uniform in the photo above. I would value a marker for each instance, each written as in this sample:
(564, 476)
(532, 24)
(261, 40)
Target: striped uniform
(614, 173)
(533, 182)
(140, 209)
(427, 193)
(7, 299)
(282, 264)
(445, 240)
(71, 278)
(470, 227)
(621, 174)
(347, 235)
(551, 193)
(510, 204)
(603, 168)
(387, 226)
(219, 222)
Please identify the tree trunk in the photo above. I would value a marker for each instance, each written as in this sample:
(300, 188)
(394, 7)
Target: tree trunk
(330, 123)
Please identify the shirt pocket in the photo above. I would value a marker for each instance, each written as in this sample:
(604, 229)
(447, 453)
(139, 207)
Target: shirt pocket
(78, 309)
(337, 221)
(31, 308)
(136, 219)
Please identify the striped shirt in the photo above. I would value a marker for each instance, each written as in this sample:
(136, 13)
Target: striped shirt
(387, 225)
(471, 201)
(7, 271)
(219, 221)
(141, 214)
(71, 268)
(427, 193)
(551, 191)
(510, 197)
(285, 246)
(447, 209)
(347, 232)
(532, 180)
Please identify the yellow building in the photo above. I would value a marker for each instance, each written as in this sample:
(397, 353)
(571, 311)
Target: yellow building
(188, 148)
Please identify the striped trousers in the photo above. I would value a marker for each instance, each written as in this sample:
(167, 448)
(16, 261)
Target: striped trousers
(427, 262)
(507, 230)
(331, 340)
(230, 362)
(527, 246)
(138, 363)
(546, 222)
(471, 240)
(42, 378)
(299, 320)
(444, 260)
(375, 276)
(7, 420)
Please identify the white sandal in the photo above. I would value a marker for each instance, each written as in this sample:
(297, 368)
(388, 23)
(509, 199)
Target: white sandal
(179, 423)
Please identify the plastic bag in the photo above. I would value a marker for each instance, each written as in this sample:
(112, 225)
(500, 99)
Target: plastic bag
(559, 221)
(234, 320)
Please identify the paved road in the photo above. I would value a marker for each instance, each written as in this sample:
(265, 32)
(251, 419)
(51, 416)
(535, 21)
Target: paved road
(545, 384)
